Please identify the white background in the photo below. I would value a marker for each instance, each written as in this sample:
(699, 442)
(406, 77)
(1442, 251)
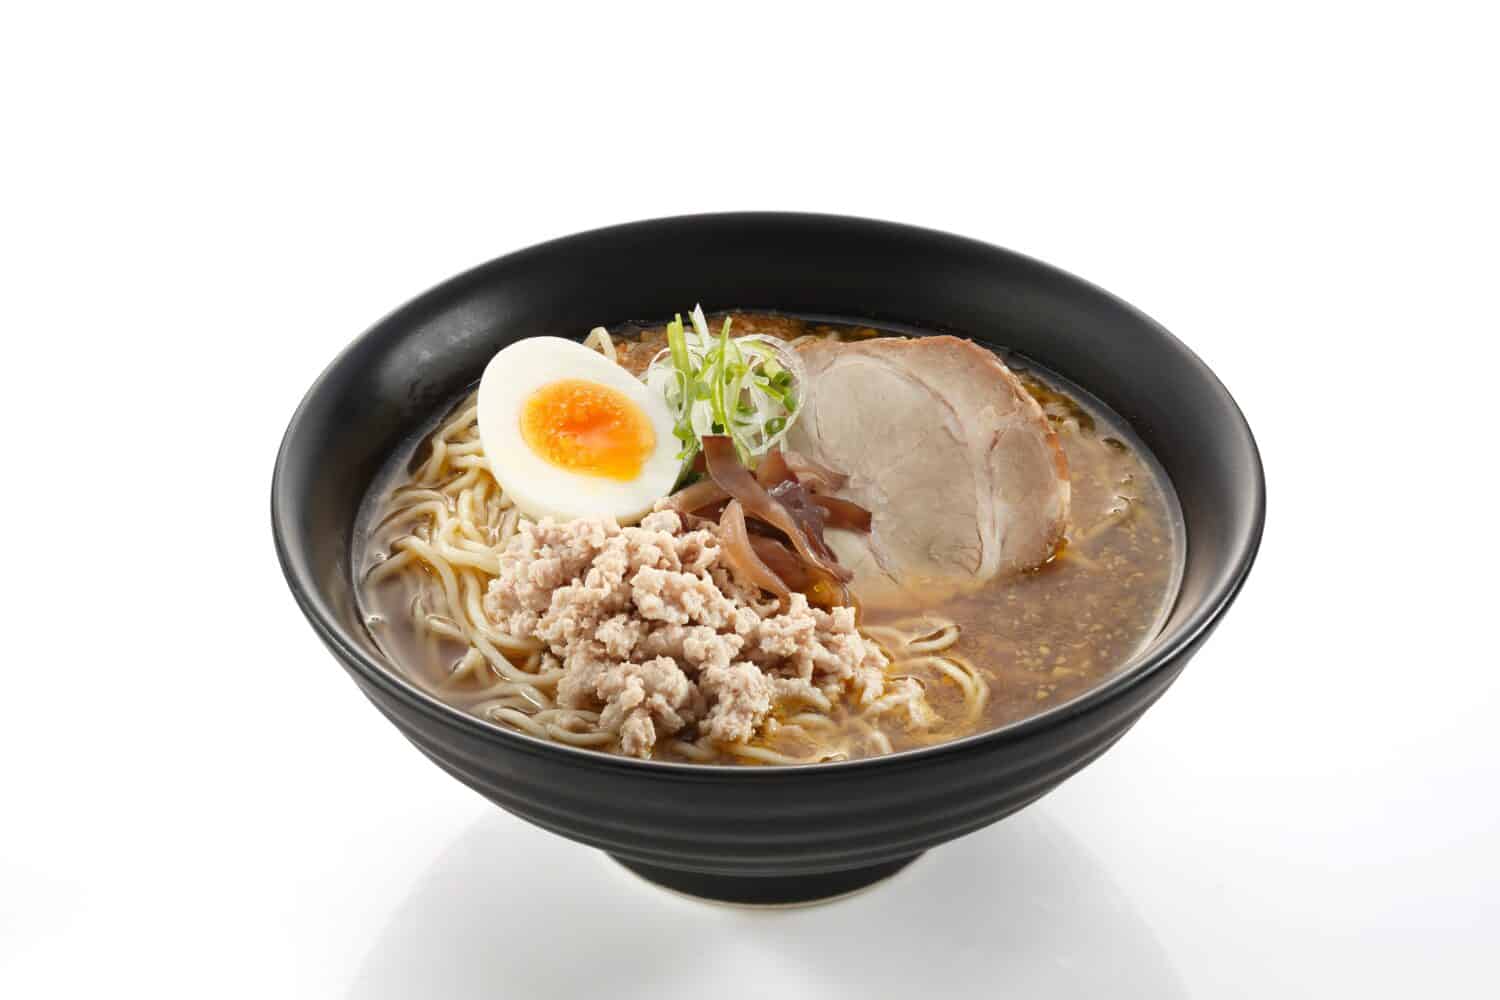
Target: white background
(200, 208)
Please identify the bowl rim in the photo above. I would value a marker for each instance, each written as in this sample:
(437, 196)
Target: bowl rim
(1135, 671)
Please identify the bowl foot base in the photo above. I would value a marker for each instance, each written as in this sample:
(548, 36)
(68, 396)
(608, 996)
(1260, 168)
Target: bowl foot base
(771, 890)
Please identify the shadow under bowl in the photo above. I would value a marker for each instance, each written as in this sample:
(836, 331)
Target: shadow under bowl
(766, 834)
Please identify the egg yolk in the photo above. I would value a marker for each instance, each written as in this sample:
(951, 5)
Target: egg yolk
(586, 427)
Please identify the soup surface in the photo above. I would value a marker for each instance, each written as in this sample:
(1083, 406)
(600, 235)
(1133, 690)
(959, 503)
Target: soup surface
(1014, 647)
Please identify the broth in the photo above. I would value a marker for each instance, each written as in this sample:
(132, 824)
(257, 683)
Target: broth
(1037, 638)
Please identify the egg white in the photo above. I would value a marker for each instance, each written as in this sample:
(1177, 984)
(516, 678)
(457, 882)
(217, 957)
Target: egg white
(540, 488)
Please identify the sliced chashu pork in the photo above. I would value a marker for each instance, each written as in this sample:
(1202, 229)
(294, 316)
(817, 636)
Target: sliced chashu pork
(962, 473)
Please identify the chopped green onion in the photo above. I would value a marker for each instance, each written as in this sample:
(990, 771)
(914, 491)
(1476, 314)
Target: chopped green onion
(749, 387)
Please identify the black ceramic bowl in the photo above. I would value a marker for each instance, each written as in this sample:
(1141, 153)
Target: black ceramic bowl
(765, 834)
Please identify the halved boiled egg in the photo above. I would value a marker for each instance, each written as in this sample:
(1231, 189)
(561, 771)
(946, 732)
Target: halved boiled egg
(569, 433)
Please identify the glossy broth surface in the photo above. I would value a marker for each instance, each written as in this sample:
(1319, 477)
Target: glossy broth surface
(1039, 638)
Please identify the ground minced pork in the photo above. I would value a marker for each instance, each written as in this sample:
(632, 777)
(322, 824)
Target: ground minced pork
(655, 634)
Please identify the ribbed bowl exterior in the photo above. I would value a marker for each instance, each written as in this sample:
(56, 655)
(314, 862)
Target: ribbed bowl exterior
(776, 822)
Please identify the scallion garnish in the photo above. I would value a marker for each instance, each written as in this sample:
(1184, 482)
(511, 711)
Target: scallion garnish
(749, 388)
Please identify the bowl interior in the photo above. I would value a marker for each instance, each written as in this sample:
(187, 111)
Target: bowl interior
(391, 379)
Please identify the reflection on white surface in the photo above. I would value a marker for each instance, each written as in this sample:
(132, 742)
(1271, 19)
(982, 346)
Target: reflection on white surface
(1021, 908)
